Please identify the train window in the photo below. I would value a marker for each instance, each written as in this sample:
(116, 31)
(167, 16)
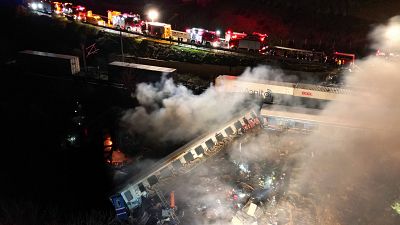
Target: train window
(237, 125)
(128, 195)
(166, 172)
(188, 157)
(281, 122)
(209, 143)
(298, 125)
(177, 164)
(199, 150)
(219, 137)
(309, 126)
(229, 131)
(118, 203)
(141, 187)
(272, 120)
(152, 180)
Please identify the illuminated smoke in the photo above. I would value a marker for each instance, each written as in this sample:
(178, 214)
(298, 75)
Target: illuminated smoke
(353, 176)
(171, 112)
(344, 176)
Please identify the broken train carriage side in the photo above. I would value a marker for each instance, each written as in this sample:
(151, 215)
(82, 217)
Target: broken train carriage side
(278, 92)
(129, 197)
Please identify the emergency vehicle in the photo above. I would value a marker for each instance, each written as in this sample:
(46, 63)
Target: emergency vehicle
(94, 19)
(157, 29)
(241, 41)
(79, 13)
(41, 6)
(230, 35)
(341, 58)
(57, 7)
(68, 10)
(126, 21)
(180, 36)
(204, 37)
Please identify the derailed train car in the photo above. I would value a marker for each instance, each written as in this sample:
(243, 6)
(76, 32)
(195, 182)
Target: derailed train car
(130, 197)
(280, 92)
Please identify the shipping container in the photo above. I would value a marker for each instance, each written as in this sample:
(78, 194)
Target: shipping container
(48, 63)
(131, 73)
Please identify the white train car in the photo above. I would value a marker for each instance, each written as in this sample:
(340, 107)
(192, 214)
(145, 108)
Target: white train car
(278, 92)
(130, 196)
(319, 92)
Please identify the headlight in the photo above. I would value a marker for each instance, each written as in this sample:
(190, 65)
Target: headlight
(34, 6)
(40, 5)
(215, 44)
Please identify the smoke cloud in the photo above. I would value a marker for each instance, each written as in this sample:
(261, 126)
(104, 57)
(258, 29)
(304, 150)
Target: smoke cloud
(353, 176)
(171, 112)
(342, 176)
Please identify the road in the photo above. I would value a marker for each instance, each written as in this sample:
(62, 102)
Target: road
(161, 41)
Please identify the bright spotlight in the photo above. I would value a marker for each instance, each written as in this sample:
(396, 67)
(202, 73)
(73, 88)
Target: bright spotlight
(34, 6)
(153, 15)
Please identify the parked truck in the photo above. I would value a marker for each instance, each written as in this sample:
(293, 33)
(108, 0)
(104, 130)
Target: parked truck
(125, 21)
(157, 29)
(204, 37)
(48, 63)
(252, 43)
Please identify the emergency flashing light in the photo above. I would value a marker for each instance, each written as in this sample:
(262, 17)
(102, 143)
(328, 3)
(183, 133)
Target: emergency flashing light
(80, 8)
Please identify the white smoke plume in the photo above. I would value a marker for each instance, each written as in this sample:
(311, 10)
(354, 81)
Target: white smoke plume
(353, 176)
(171, 112)
(348, 176)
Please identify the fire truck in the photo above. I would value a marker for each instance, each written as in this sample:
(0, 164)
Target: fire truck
(242, 41)
(204, 37)
(126, 21)
(157, 29)
(230, 35)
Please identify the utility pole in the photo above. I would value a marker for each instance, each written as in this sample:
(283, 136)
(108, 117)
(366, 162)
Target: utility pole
(122, 46)
(84, 57)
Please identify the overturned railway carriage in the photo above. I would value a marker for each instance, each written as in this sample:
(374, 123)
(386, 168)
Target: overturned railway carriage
(181, 161)
(280, 92)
